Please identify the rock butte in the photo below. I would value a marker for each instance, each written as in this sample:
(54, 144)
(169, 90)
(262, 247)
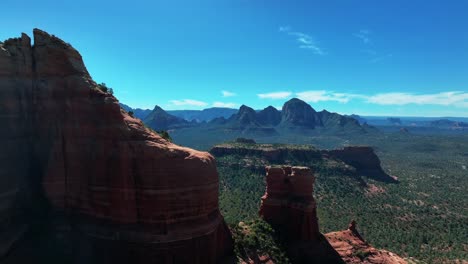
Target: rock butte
(289, 206)
(121, 193)
(288, 203)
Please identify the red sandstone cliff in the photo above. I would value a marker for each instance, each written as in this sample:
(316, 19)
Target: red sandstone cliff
(132, 196)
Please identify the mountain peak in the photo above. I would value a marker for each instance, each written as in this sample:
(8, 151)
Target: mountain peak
(158, 108)
(269, 116)
(159, 119)
(246, 115)
(299, 113)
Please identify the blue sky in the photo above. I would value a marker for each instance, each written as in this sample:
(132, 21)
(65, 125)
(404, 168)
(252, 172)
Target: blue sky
(405, 58)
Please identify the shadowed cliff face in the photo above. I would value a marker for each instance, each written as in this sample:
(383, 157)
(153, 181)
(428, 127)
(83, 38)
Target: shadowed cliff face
(71, 156)
(288, 203)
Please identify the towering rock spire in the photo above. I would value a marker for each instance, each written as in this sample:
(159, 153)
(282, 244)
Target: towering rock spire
(288, 203)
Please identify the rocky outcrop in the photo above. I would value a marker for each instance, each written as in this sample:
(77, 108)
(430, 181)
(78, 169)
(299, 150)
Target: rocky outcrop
(363, 158)
(276, 154)
(288, 203)
(116, 191)
(16, 78)
(353, 249)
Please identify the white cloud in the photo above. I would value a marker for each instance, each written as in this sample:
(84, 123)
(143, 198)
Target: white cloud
(227, 93)
(222, 104)
(363, 35)
(275, 95)
(322, 95)
(305, 41)
(452, 98)
(187, 102)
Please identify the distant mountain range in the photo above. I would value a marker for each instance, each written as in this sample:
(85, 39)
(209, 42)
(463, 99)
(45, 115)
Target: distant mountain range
(204, 115)
(296, 122)
(158, 119)
(295, 114)
(137, 112)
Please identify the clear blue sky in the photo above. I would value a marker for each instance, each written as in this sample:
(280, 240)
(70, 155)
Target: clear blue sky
(366, 57)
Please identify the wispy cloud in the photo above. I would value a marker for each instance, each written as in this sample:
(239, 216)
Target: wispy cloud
(275, 95)
(364, 35)
(227, 93)
(304, 40)
(228, 105)
(369, 52)
(322, 95)
(452, 98)
(381, 58)
(188, 102)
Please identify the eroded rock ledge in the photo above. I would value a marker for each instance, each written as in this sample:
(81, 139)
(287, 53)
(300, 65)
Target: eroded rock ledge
(70, 155)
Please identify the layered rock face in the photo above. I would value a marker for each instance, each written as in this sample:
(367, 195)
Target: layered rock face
(16, 78)
(363, 158)
(353, 249)
(132, 196)
(288, 203)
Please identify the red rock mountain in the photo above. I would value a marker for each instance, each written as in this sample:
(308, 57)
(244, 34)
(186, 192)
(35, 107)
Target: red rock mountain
(116, 191)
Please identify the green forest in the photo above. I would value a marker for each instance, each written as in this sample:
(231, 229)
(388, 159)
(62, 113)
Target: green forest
(423, 216)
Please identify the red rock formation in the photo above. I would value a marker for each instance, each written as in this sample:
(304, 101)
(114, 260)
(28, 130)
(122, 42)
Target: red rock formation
(16, 77)
(288, 203)
(363, 158)
(136, 197)
(353, 249)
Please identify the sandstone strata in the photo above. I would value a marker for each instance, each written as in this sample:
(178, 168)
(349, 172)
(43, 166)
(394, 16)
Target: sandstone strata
(363, 158)
(289, 206)
(288, 203)
(69, 149)
(353, 249)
